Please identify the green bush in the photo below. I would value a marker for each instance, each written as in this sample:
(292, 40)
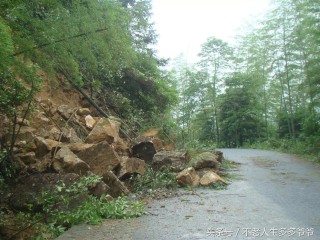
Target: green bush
(154, 180)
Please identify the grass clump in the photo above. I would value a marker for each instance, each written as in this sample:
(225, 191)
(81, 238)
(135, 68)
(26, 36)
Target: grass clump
(153, 180)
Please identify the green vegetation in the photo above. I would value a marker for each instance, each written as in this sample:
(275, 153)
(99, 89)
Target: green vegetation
(153, 180)
(263, 90)
(62, 208)
(102, 47)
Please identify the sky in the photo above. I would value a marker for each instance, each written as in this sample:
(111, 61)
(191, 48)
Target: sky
(183, 25)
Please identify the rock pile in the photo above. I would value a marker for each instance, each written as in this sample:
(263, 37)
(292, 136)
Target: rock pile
(61, 140)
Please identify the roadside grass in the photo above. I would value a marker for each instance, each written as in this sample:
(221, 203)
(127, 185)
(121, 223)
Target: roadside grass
(308, 148)
(153, 180)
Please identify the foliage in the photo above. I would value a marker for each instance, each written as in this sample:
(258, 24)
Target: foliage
(152, 180)
(58, 214)
(238, 107)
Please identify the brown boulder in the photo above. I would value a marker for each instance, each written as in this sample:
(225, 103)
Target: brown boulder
(211, 177)
(104, 130)
(27, 192)
(188, 177)
(79, 147)
(83, 111)
(65, 161)
(205, 160)
(44, 146)
(131, 166)
(69, 135)
(101, 158)
(65, 112)
(117, 188)
(27, 158)
(175, 160)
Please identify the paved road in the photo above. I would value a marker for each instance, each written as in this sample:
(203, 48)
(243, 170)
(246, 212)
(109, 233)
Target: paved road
(277, 196)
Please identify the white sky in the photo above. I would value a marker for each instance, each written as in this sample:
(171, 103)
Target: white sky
(183, 25)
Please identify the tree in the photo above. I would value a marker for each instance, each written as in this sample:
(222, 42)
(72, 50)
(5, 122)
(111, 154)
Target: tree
(240, 123)
(214, 58)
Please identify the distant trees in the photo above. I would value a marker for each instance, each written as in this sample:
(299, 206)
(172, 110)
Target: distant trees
(265, 87)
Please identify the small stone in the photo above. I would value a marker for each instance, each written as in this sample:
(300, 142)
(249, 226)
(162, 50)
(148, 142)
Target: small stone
(83, 111)
(90, 122)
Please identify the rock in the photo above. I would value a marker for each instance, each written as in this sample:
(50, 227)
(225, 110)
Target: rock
(23, 122)
(205, 160)
(211, 177)
(69, 135)
(26, 134)
(98, 189)
(83, 111)
(27, 158)
(188, 177)
(144, 149)
(44, 146)
(158, 145)
(117, 188)
(104, 130)
(79, 147)
(122, 148)
(42, 165)
(54, 133)
(27, 192)
(131, 166)
(65, 112)
(25, 146)
(175, 160)
(65, 161)
(100, 157)
(89, 121)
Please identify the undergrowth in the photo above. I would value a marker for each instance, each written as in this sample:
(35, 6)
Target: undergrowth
(308, 148)
(57, 214)
(152, 180)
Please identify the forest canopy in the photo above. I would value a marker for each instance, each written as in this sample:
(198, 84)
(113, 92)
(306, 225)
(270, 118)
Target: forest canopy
(263, 89)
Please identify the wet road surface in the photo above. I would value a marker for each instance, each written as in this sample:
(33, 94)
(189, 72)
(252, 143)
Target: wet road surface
(274, 196)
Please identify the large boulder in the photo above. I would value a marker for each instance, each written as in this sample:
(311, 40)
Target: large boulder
(27, 193)
(44, 146)
(205, 160)
(100, 157)
(130, 166)
(65, 111)
(117, 188)
(104, 130)
(144, 150)
(65, 161)
(188, 177)
(69, 135)
(211, 177)
(175, 160)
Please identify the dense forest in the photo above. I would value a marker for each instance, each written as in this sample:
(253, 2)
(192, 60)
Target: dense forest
(262, 91)
(104, 48)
